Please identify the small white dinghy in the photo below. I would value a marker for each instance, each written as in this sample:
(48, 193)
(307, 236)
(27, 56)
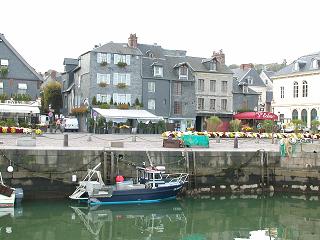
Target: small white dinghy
(7, 194)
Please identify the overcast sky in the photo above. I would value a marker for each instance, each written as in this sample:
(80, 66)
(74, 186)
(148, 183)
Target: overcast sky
(44, 32)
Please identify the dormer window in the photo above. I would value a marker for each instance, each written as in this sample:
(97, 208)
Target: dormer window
(315, 64)
(150, 54)
(213, 66)
(158, 71)
(183, 72)
(296, 66)
(250, 80)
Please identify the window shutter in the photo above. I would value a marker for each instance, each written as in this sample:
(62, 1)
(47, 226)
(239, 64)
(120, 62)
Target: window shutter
(99, 58)
(115, 78)
(128, 98)
(115, 98)
(115, 58)
(108, 78)
(128, 79)
(128, 59)
(108, 57)
(98, 97)
(161, 71)
(108, 98)
(98, 78)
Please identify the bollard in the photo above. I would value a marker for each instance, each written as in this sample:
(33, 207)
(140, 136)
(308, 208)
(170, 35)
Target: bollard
(235, 143)
(134, 138)
(218, 139)
(65, 140)
(89, 138)
(33, 135)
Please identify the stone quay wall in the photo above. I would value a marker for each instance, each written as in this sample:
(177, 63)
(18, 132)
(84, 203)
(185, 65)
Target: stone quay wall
(48, 173)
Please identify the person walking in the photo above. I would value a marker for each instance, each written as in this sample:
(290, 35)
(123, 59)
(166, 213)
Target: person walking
(58, 125)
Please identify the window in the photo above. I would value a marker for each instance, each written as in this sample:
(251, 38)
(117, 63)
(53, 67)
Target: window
(294, 114)
(103, 78)
(315, 64)
(213, 84)
(313, 114)
(151, 104)
(104, 98)
(177, 88)
(158, 71)
(224, 86)
(304, 89)
(245, 88)
(1, 87)
(121, 58)
(200, 103)
(103, 57)
(212, 104)
(296, 66)
(183, 72)
(200, 85)
(4, 62)
(304, 116)
(22, 88)
(121, 98)
(177, 107)
(212, 66)
(151, 86)
(250, 80)
(121, 78)
(281, 92)
(295, 90)
(224, 104)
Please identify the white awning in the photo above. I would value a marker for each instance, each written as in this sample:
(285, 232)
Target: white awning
(119, 115)
(12, 108)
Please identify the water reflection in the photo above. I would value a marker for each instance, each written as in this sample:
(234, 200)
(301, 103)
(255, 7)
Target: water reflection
(223, 218)
(133, 221)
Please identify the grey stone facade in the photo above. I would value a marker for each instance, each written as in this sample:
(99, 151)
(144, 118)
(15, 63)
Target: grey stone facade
(21, 77)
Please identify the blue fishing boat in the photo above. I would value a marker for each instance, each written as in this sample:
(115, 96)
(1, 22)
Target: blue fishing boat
(151, 185)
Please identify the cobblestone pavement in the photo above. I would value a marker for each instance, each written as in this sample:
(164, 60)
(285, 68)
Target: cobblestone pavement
(143, 142)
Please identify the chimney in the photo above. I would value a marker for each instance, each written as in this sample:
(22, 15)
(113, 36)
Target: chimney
(133, 41)
(221, 58)
(53, 74)
(246, 66)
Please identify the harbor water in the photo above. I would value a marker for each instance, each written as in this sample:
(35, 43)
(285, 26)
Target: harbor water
(220, 217)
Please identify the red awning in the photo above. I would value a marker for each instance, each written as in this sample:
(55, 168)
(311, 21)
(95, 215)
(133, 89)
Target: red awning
(256, 115)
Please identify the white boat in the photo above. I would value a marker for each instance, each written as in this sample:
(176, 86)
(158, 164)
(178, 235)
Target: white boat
(7, 194)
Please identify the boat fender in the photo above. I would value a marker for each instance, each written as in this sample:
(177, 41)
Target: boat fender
(119, 178)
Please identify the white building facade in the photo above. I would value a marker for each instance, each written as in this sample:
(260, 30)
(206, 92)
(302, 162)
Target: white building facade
(296, 90)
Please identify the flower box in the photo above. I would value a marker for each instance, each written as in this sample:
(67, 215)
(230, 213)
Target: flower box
(172, 143)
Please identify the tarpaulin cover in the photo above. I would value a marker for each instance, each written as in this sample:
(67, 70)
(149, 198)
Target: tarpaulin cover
(194, 140)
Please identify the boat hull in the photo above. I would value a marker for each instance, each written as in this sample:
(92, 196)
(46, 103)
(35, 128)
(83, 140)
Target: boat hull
(135, 196)
(7, 201)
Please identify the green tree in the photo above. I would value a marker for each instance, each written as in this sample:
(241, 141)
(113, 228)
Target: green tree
(314, 125)
(235, 125)
(268, 125)
(297, 123)
(213, 123)
(52, 95)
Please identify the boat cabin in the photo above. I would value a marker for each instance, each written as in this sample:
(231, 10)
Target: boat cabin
(150, 176)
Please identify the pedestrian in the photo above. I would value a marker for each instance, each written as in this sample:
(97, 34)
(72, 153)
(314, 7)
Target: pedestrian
(58, 125)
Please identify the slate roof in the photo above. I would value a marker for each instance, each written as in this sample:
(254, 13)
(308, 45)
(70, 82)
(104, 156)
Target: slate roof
(37, 75)
(269, 73)
(242, 74)
(120, 48)
(236, 88)
(305, 65)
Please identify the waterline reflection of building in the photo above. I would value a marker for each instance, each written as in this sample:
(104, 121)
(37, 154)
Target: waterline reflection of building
(163, 221)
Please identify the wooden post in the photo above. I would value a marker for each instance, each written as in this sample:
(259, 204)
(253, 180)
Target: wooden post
(262, 168)
(105, 166)
(65, 140)
(112, 174)
(194, 169)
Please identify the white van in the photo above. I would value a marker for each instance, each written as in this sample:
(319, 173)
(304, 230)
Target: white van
(70, 124)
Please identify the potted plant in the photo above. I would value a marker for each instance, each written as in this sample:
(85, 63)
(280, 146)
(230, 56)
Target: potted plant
(103, 63)
(4, 70)
(122, 64)
(109, 125)
(103, 84)
(125, 129)
(121, 85)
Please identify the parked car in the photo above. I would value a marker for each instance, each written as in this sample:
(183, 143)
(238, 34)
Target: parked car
(70, 124)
